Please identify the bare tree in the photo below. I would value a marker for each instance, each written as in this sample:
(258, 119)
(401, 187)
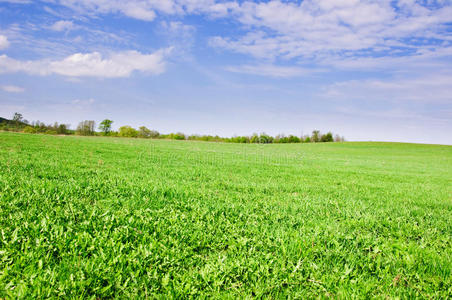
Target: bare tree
(86, 127)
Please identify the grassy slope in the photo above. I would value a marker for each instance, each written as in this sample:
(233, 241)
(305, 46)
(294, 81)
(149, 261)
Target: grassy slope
(124, 217)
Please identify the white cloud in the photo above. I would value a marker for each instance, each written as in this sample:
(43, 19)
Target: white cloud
(4, 43)
(121, 64)
(315, 28)
(62, 25)
(299, 29)
(311, 30)
(269, 70)
(138, 10)
(12, 89)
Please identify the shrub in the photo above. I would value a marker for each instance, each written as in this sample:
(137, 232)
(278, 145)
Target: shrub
(177, 136)
(127, 131)
(29, 129)
(53, 132)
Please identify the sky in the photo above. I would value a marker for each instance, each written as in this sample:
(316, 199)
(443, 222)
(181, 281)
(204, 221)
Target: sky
(367, 70)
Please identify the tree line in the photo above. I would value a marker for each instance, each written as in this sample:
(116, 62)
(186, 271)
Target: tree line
(88, 128)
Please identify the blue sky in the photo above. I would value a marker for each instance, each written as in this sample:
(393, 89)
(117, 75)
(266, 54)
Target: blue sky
(368, 70)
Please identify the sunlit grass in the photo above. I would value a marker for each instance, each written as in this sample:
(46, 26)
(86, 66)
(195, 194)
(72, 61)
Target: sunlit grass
(111, 217)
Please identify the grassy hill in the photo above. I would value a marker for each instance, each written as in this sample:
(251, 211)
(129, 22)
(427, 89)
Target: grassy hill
(3, 120)
(11, 122)
(110, 217)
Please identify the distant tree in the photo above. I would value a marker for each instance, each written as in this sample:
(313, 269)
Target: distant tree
(105, 126)
(307, 139)
(144, 132)
(17, 117)
(315, 136)
(254, 139)
(328, 137)
(154, 134)
(127, 131)
(240, 139)
(265, 139)
(337, 138)
(278, 138)
(281, 138)
(62, 129)
(294, 139)
(86, 127)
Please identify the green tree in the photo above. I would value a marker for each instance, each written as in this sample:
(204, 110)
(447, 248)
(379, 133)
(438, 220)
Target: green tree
(62, 129)
(144, 132)
(294, 139)
(127, 131)
(315, 136)
(105, 126)
(327, 137)
(265, 139)
(254, 139)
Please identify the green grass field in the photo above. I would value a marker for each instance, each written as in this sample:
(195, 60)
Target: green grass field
(109, 217)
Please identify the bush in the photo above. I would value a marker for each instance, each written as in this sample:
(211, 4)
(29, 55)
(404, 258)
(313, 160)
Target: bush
(127, 131)
(177, 136)
(52, 132)
(29, 129)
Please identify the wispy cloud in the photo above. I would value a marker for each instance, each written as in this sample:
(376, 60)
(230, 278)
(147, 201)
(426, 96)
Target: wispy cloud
(16, 1)
(428, 88)
(147, 10)
(62, 25)
(270, 70)
(12, 88)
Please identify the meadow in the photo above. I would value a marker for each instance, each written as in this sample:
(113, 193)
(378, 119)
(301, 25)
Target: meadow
(95, 217)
